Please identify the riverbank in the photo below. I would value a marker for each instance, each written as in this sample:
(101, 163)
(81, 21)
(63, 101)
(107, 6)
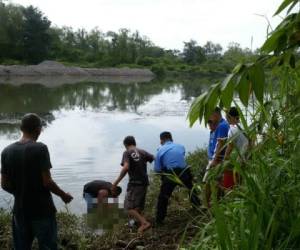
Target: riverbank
(180, 227)
(53, 68)
(51, 73)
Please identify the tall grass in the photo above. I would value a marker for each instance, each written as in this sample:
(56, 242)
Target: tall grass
(263, 212)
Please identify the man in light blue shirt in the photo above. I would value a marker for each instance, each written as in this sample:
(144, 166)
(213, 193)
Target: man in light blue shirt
(170, 159)
(169, 156)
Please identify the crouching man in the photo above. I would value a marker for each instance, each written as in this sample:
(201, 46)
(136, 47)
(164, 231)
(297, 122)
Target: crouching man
(100, 190)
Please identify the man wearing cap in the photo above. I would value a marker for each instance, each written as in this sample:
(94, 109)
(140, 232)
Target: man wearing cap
(25, 173)
(170, 160)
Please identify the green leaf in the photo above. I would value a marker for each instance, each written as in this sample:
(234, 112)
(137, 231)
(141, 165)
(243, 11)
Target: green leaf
(227, 93)
(222, 228)
(195, 112)
(292, 6)
(257, 78)
(283, 5)
(272, 42)
(211, 100)
(238, 68)
(243, 87)
(226, 81)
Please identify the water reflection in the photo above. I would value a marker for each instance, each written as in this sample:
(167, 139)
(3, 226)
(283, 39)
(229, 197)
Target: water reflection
(110, 96)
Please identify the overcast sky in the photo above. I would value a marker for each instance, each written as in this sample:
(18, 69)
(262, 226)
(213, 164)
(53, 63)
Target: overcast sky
(168, 22)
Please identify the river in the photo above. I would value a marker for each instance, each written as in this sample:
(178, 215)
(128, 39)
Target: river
(86, 124)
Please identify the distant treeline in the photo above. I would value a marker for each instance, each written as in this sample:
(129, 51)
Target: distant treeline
(26, 36)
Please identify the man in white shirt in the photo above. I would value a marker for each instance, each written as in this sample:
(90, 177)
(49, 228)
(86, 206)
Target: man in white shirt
(236, 136)
(237, 140)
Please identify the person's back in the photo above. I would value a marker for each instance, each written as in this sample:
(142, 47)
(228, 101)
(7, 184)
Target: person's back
(239, 139)
(23, 163)
(93, 187)
(25, 173)
(137, 171)
(171, 155)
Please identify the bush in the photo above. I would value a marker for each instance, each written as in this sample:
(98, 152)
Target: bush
(197, 161)
(10, 62)
(158, 70)
(146, 61)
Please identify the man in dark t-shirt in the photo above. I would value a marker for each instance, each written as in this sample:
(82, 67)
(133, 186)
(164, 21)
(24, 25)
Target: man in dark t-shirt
(25, 173)
(101, 190)
(134, 162)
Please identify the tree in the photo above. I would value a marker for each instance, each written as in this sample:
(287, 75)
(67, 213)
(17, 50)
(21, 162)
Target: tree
(212, 50)
(36, 38)
(193, 53)
(11, 28)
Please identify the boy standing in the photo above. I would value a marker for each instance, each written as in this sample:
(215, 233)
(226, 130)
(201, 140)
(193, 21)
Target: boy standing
(134, 163)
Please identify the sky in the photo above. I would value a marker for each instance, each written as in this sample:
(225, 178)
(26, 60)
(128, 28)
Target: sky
(168, 23)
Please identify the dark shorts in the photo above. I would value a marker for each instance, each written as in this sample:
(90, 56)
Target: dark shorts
(135, 197)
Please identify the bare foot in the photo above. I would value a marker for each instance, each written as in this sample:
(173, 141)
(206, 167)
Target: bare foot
(144, 227)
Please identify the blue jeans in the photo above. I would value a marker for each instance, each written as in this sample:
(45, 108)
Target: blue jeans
(25, 230)
(90, 201)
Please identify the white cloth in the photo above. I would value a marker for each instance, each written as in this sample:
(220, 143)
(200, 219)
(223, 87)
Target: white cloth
(238, 138)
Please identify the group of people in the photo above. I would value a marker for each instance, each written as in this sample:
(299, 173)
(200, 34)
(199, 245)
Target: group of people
(225, 135)
(169, 159)
(25, 173)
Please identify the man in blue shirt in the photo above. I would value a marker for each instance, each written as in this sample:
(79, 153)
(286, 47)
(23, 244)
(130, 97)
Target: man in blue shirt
(170, 159)
(220, 136)
(211, 143)
(211, 146)
(217, 148)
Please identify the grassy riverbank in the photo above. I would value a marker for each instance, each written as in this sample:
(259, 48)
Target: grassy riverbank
(179, 229)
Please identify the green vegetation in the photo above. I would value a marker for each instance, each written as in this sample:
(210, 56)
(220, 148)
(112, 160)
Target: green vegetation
(27, 37)
(263, 212)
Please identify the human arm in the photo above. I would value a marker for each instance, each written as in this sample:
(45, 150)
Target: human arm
(48, 182)
(51, 185)
(221, 135)
(121, 175)
(228, 151)
(157, 163)
(217, 155)
(149, 157)
(6, 184)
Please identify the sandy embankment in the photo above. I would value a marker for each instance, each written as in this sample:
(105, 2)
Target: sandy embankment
(51, 74)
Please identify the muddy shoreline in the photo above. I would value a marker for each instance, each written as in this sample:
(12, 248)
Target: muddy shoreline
(51, 74)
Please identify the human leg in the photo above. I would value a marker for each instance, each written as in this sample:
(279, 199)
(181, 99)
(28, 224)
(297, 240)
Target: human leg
(187, 179)
(45, 230)
(22, 234)
(166, 190)
(134, 203)
(144, 224)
